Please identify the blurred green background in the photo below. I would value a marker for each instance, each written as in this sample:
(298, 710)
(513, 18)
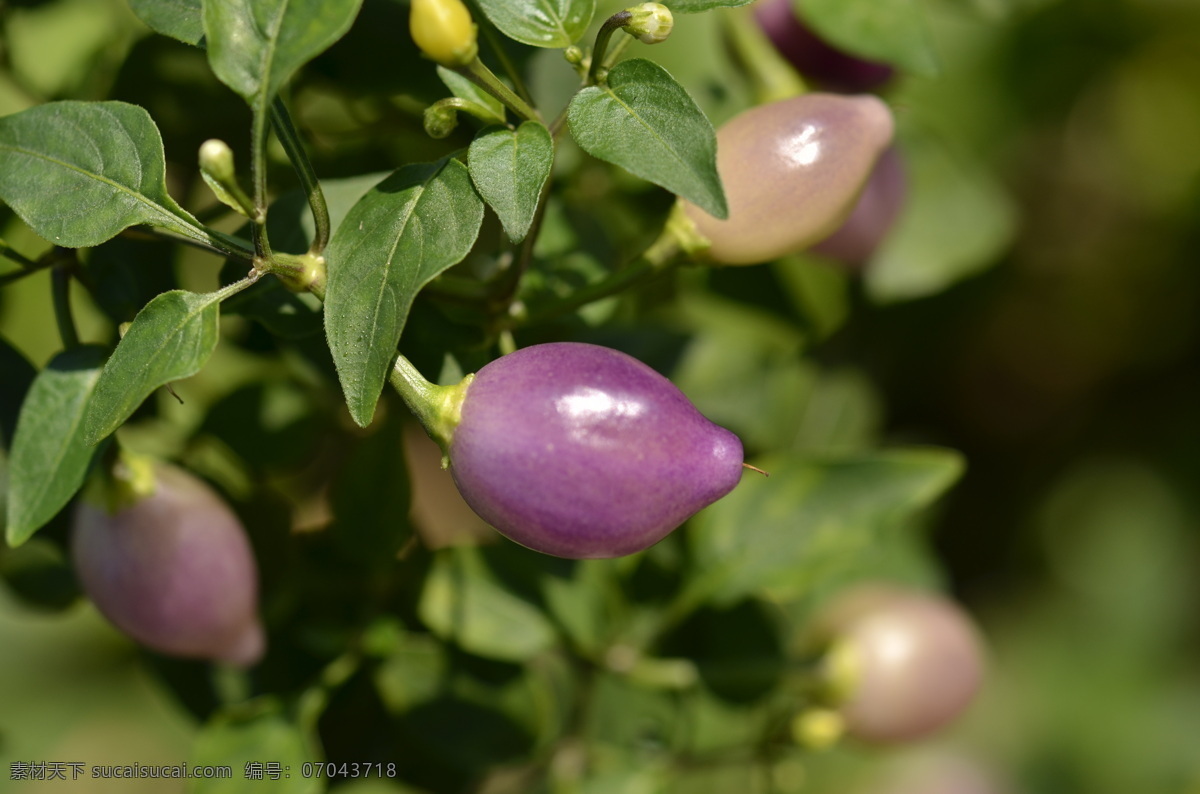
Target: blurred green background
(1039, 311)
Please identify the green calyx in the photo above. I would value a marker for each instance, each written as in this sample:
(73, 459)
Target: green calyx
(682, 231)
(130, 479)
(299, 272)
(437, 408)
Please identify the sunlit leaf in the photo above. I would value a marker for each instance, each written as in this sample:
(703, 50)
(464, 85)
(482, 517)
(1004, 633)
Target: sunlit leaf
(645, 122)
(255, 46)
(170, 339)
(399, 236)
(179, 19)
(49, 459)
(892, 31)
(541, 23)
(509, 168)
(80, 172)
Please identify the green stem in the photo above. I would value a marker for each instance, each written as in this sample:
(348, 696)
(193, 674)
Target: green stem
(437, 408)
(615, 52)
(258, 174)
(486, 115)
(17, 275)
(771, 76)
(610, 26)
(285, 130)
(60, 288)
(11, 254)
(482, 76)
(506, 63)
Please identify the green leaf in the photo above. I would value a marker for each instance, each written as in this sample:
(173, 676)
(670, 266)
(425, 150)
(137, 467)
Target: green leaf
(809, 521)
(226, 741)
(695, 6)
(464, 603)
(541, 23)
(179, 19)
(49, 459)
(400, 235)
(254, 46)
(509, 169)
(170, 339)
(80, 172)
(892, 31)
(645, 122)
(463, 88)
(957, 221)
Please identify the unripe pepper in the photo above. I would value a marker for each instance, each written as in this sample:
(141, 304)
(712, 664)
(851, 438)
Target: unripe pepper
(173, 570)
(873, 216)
(792, 172)
(902, 663)
(580, 451)
(444, 31)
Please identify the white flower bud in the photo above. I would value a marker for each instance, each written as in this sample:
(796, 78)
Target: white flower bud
(651, 22)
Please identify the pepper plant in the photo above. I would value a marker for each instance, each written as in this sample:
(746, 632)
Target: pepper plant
(267, 263)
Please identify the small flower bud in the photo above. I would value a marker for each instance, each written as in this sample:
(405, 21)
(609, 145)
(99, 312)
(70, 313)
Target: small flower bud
(444, 31)
(216, 166)
(216, 159)
(651, 22)
(440, 120)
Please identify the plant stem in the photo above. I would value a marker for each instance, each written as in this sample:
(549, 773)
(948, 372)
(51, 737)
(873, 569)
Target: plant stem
(258, 175)
(9, 253)
(610, 26)
(285, 130)
(482, 76)
(60, 289)
(506, 63)
(615, 52)
(771, 76)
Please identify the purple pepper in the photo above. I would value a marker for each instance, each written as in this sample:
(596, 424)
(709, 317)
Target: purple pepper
(581, 451)
(814, 57)
(174, 570)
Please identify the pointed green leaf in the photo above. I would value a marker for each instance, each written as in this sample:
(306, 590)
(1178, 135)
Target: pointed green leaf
(645, 122)
(541, 23)
(509, 169)
(179, 19)
(80, 172)
(464, 603)
(400, 235)
(170, 339)
(811, 520)
(892, 31)
(49, 458)
(254, 46)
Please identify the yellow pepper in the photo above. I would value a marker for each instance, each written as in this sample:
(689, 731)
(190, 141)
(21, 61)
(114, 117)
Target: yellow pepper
(444, 31)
